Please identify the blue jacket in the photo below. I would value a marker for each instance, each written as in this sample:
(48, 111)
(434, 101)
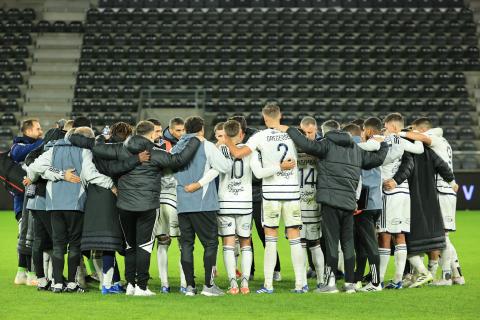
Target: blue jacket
(372, 180)
(20, 149)
(207, 156)
(63, 195)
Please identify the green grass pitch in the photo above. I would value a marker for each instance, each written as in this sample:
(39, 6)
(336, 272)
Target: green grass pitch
(458, 302)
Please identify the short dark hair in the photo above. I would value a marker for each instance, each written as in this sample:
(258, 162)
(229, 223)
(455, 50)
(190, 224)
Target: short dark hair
(394, 117)
(155, 122)
(373, 123)
(241, 120)
(423, 121)
(81, 122)
(218, 126)
(27, 124)
(194, 124)
(232, 128)
(353, 129)
(176, 121)
(121, 130)
(359, 122)
(144, 127)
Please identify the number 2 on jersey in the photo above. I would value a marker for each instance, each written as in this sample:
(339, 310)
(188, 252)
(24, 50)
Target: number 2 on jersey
(283, 146)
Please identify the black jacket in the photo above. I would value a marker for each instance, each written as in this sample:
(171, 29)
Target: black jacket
(405, 169)
(340, 161)
(427, 232)
(101, 226)
(139, 189)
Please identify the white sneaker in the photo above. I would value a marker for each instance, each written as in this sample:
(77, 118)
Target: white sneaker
(422, 279)
(277, 276)
(143, 293)
(130, 290)
(349, 287)
(31, 280)
(458, 280)
(21, 277)
(442, 282)
(370, 288)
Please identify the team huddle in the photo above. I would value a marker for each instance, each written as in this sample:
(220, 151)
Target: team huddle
(346, 195)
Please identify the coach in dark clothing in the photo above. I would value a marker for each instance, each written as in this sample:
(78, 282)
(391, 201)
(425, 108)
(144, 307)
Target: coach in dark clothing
(427, 231)
(138, 197)
(340, 161)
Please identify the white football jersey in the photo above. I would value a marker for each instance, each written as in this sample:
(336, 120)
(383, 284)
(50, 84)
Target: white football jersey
(396, 147)
(168, 191)
(235, 188)
(443, 149)
(307, 175)
(274, 147)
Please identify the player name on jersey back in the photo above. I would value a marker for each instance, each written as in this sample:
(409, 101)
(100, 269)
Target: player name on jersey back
(275, 147)
(307, 175)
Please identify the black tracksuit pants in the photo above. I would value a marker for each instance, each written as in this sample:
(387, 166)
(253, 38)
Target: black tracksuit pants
(204, 225)
(42, 241)
(337, 225)
(366, 244)
(137, 228)
(67, 229)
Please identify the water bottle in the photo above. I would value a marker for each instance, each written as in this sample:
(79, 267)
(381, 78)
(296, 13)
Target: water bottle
(106, 130)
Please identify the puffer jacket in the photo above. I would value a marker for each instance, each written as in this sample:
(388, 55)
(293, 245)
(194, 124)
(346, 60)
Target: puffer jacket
(340, 162)
(139, 189)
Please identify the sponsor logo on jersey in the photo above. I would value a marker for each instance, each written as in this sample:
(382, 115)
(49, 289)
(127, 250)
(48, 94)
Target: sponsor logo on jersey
(285, 174)
(235, 187)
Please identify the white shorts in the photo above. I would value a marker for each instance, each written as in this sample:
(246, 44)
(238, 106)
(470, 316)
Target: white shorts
(395, 217)
(167, 223)
(231, 225)
(448, 207)
(289, 210)
(311, 231)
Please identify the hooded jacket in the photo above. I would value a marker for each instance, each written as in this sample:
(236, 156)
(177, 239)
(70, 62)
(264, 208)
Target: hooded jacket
(169, 137)
(38, 201)
(139, 189)
(63, 195)
(340, 162)
(206, 157)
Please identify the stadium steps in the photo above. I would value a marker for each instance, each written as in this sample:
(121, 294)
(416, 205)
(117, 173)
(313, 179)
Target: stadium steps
(65, 10)
(51, 85)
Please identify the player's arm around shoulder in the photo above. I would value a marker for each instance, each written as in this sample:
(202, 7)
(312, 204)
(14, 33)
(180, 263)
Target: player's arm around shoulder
(312, 147)
(415, 147)
(218, 158)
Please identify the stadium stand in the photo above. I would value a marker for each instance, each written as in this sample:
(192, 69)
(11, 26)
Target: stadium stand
(332, 59)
